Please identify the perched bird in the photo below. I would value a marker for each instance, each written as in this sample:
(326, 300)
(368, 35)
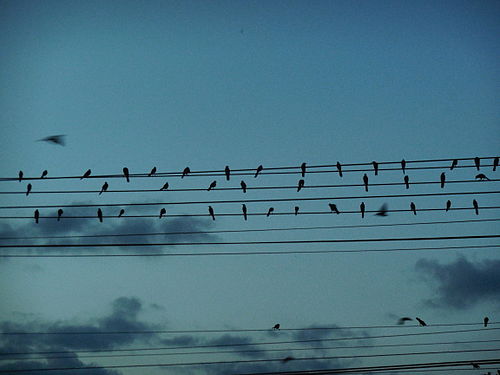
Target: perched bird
(495, 163)
(227, 172)
(287, 359)
(382, 210)
(303, 169)
(477, 162)
(86, 174)
(20, 176)
(454, 163)
(244, 209)
(37, 216)
(448, 205)
(443, 179)
(482, 177)
(407, 181)
(165, 186)
(55, 139)
(104, 187)
(212, 185)
(99, 214)
(153, 171)
(270, 211)
(122, 211)
(421, 322)
(365, 181)
(403, 166)
(259, 169)
(413, 208)
(296, 210)
(485, 321)
(276, 327)
(59, 214)
(243, 186)
(333, 208)
(476, 206)
(402, 321)
(375, 167)
(28, 189)
(185, 172)
(475, 365)
(339, 168)
(126, 173)
(163, 212)
(362, 208)
(300, 185)
(44, 173)
(211, 212)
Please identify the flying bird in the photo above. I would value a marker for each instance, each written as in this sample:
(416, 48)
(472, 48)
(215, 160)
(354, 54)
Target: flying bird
(59, 214)
(402, 321)
(476, 206)
(333, 208)
(300, 185)
(153, 171)
(243, 186)
(403, 166)
(448, 205)
(99, 214)
(495, 163)
(421, 322)
(407, 181)
(270, 211)
(122, 211)
(382, 211)
(185, 172)
(86, 174)
(104, 187)
(126, 173)
(375, 167)
(44, 173)
(244, 209)
(454, 163)
(55, 139)
(211, 212)
(296, 212)
(362, 208)
(165, 186)
(477, 162)
(37, 216)
(303, 169)
(276, 327)
(339, 168)
(20, 176)
(485, 321)
(212, 185)
(287, 359)
(413, 208)
(443, 179)
(163, 212)
(482, 177)
(365, 181)
(28, 189)
(227, 172)
(259, 169)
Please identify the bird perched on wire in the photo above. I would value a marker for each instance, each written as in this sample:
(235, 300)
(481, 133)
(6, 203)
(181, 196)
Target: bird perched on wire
(37, 216)
(448, 205)
(212, 185)
(403, 166)
(104, 187)
(362, 208)
(339, 169)
(243, 186)
(402, 320)
(165, 186)
(126, 174)
(244, 209)
(300, 185)
(454, 163)
(485, 321)
(227, 172)
(185, 172)
(59, 214)
(211, 212)
(55, 139)
(153, 171)
(482, 177)
(407, 181)
(86, 174)
(443, 179)
(495, 163)
(44, 173)
(99, 214)
(365, 181)
(421, 322)
(276, 327)
(20, 176)
(375, 167)
(259, 169)
(270, 211)
(413, 208)
(382, 211)
(477, 162)
(122, 212)
(296, 210)
(476, 206)
(303, 169)
(163, 212)
(333, 208)
(28, 189)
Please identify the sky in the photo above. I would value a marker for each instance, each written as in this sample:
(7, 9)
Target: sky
(170, 84)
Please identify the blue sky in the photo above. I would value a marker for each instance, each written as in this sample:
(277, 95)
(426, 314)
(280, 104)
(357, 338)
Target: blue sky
(207, 84)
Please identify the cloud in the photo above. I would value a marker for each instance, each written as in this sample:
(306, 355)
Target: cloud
(461, 284)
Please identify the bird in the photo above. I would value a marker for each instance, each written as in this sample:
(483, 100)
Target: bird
(99, 214)
(454, 163)
(122, 211)
(362, 208)
(259, 169)
(270, 211)
(403, 166)
(443, 179)
(476, 206)
(185, 172)
(477, 162)
(165, 186)
(300, 185)
(303, 169)
(365, 181)
(475, 365)
(485, 321)
(495, 163)
(448, 205)
(20, 176)
(421, 322)
(243, 186)
(244, 209)
(227, 172)
(296, 210)
(382, 211)
(276, 327)
(55, 139)
(482, 177)
(339, 168)
(37, 216)
(28, 189)
(163, 212)
(333, 208)
(86, 174)
(413, 208)
(126, 173)
(44, 173)
(212, 185)
(407, 181)
(403, 320)
(287, 359)
(211, 212)
(104, 187)
(153, 171)
(375, 167)
(59, 214)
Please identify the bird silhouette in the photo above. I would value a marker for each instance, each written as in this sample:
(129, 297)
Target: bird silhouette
(165, 186)
(244, 209)
(227, 172)
(454, 163)
(402, 320)
(403, 166)
(20, 176)
(126, 173)
(485, 321)
(86, 174)
(270, 211)
(421, 322)
(276, 327)
(362, 208)
(333, 208)
(407, 181)
(37, 216)
(99, 214)
(303, 169)
(153, 171)
(122, 212)
(443, 179)
(163, 212)
(185, 172)
(104, 187)
(287, 359)
(375, 167)
(413, 208)
(339, 168)
(477, 162)
(475, 365)
(448, 205)
(476, 206)
(59, 214)
(28, 189)
(296, 210)
(482, 177)
(259, 169)
(300, 185)
(365, 181)
(55, 139)
(495, 163)
(211, 212)
(243, 186)
(212, 185)
(44, 173)
(382, 211)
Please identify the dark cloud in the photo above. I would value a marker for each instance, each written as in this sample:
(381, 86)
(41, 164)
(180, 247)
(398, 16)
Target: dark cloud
(461, 284)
